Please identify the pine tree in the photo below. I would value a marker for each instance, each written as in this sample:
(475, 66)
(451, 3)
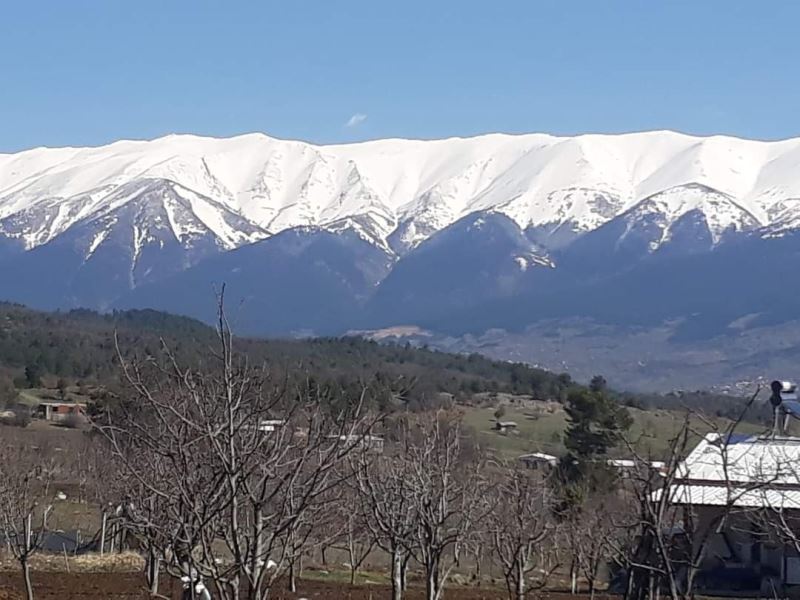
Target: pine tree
(33, 376)
(595, 422)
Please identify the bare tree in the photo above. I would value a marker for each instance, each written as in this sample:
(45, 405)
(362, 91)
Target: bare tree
(224, 465)
(477, 546)
(671, 539)
(520, 522)
(26, 476)
(356, 538)
(387, 509)
(446, 493)
(595, 535)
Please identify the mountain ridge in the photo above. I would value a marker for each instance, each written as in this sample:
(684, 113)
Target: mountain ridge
(279, 184)
(463, 235)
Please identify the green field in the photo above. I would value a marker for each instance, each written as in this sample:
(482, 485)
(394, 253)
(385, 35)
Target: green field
(542, 430)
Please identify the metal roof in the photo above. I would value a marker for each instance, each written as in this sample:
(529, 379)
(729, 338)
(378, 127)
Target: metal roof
(539, 455)
(744, 459)
(745, 471)
(734, 496)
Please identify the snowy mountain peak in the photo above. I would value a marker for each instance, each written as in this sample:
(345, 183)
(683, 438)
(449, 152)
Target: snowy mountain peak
(661, 212)
(397, 193)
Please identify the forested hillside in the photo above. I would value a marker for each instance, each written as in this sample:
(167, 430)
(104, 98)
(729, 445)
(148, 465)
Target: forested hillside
(80, 347)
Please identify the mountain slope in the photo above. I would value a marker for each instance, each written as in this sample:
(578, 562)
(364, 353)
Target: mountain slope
(148, 229)
(480, 257)
(686, 219)
(302, 279)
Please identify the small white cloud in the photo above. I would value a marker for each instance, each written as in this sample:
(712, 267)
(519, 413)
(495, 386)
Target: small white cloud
(356, 120)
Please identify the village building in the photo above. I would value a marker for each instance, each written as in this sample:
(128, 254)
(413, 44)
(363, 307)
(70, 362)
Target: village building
(627, 466)
(538, 460)
(743, 492)
(505, 427)
(270, 425)
(59, 411)
(369, 443)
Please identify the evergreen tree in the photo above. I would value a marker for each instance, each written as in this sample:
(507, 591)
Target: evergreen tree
(598, 384)
(594, 423)
(33, 376)
(62, 389)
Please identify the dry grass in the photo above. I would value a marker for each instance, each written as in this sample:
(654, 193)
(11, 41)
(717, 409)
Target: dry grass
(125, 562)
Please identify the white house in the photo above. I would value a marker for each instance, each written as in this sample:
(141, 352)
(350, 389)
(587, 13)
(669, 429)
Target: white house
(370, 443)
(538, 460)
(270, 425)
(625, 466)
(755, 482)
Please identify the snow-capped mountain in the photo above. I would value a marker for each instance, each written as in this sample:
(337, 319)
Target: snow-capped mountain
(442, 224)
(400, 190)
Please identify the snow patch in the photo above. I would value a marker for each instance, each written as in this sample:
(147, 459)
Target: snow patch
(98, 239)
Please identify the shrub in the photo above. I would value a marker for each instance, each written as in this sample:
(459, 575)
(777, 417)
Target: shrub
(73, 420)
(19, 418)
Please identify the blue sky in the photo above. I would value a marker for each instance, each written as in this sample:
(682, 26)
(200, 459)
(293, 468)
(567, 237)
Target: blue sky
(82, 72)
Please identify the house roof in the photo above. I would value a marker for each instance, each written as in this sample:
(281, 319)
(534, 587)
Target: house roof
(538, 456)
(744, 459)
(742, 471)
(740, 497)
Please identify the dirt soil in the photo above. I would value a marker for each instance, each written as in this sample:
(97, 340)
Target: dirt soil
(130, 586)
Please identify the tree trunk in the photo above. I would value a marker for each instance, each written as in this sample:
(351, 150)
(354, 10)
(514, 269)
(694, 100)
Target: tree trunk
(26, 575)
(258, 562)
(235, 591)
(113, 537)
(520, 580)
(26, 569)
(432, 583)
(153, 564)
(103, 534)
(629, 575)
(404, 571)
(397, 576)
(292, 577)
(573, 578)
